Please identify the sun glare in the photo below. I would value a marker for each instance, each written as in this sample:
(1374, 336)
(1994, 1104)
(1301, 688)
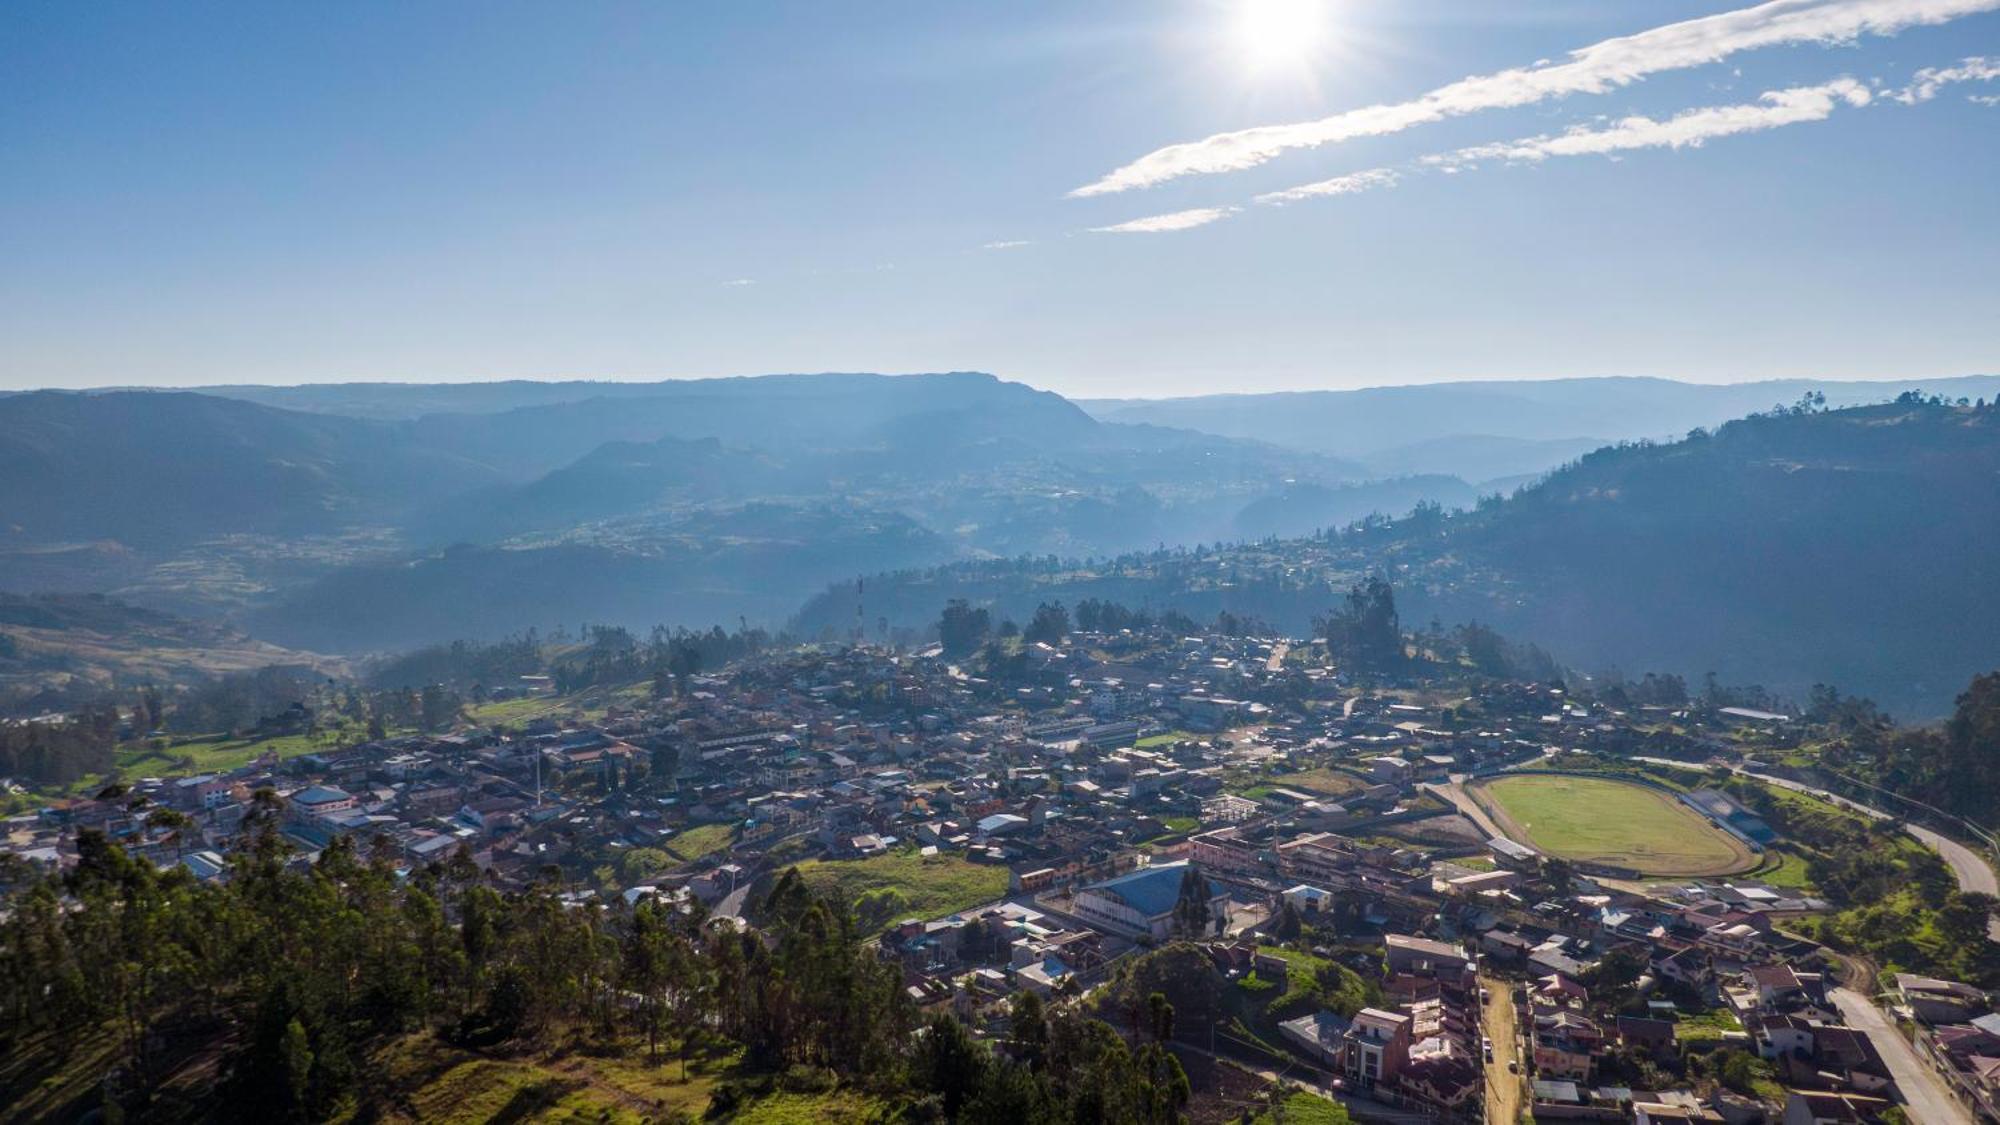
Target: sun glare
(1279, 32)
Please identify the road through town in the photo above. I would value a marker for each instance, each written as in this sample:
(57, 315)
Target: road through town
(1922, 1090)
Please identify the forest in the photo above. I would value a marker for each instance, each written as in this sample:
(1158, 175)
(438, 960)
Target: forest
(267, 996)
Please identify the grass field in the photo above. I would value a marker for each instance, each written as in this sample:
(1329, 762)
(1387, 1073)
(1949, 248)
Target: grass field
(591, 704)
(1302, 1108)
(838, 1107)
(1330, 782)
(1783, 867)
(422, 1079)
(703, 839)
(1601, 820)
(927, 886)
(1166, 739)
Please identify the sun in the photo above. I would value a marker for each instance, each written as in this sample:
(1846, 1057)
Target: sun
(1274, 33)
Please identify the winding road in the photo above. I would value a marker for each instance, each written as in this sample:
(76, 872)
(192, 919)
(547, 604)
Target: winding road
(1974, 873)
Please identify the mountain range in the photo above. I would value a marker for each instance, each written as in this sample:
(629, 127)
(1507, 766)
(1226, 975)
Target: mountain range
(1483, 431)
(372, 516)
(1850, 547)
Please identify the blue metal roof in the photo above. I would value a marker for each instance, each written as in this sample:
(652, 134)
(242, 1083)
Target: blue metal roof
(1152, 890)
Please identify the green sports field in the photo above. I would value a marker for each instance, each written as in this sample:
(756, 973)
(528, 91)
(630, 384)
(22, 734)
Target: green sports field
(1600, 820)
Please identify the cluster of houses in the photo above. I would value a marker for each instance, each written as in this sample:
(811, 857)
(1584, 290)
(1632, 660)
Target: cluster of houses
(1958, 1034)
(1111, 786)
(1423, 1049)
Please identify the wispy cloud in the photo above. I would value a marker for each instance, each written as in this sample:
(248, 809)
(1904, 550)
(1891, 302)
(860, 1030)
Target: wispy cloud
(1339, 185)
(1008, 244)
(1983, 99)
(1595, 69)
(1177, 220)
(739, 282)
(1925, 84)
(1690, 129)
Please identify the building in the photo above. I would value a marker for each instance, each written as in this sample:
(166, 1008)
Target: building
(1141, 904)
(1228, 850)
(321, 803)
(1228, 808)
(1423, 957)
(1375, 1047)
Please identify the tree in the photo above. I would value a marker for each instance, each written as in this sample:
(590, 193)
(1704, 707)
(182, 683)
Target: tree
(1365, 631)
(1049, 625)
(961, 628)
(1290, 923)
(437, 708)
(1961, 921)
(1559, 875)
(173, 822)
(1027, 1028)
(683, 662)
(949, 1063)
(296, 1052)
(1191, 911)
(1160, 1017)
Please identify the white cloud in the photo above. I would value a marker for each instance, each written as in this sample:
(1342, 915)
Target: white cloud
(1595, 69)
(1925, 84)
(1689, 129)
(1177, 220)
(1008, 244)
(739, 282)
(1349, 184)
(1983, 99)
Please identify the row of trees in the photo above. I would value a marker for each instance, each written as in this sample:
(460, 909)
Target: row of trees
(963, 628)
(59, 752)
(1955, 767)
(296, 974)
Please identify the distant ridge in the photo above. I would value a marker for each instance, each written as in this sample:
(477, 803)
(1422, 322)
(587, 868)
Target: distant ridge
(1375, 420)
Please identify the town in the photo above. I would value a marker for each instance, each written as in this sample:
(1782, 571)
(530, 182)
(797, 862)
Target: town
(1436, 898)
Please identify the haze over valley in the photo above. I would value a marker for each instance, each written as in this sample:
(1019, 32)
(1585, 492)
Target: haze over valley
(1152, 562)
(359, 519)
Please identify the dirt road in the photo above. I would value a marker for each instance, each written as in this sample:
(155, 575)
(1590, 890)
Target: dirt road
(1503, 1090)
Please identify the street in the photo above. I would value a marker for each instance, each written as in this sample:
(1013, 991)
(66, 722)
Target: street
(1972, 870)
(1922, 1090)
(1974, 873)
(1503, 1089)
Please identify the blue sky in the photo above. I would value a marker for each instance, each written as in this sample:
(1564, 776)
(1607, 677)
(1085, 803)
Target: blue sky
(284, 193)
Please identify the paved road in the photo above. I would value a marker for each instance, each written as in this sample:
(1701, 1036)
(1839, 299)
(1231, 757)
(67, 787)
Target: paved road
(1921, 1088)
(1974, 873)
(1463, 802)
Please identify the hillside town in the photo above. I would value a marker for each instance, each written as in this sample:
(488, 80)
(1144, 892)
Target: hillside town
(1303, 862)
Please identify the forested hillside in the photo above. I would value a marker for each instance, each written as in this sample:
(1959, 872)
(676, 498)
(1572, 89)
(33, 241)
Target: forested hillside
(1848, 547)
(294, 992)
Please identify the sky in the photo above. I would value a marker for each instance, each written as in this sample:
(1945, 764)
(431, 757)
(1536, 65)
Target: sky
(1107, 199)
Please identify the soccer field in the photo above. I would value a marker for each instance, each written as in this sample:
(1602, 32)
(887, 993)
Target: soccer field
(1600, 820)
